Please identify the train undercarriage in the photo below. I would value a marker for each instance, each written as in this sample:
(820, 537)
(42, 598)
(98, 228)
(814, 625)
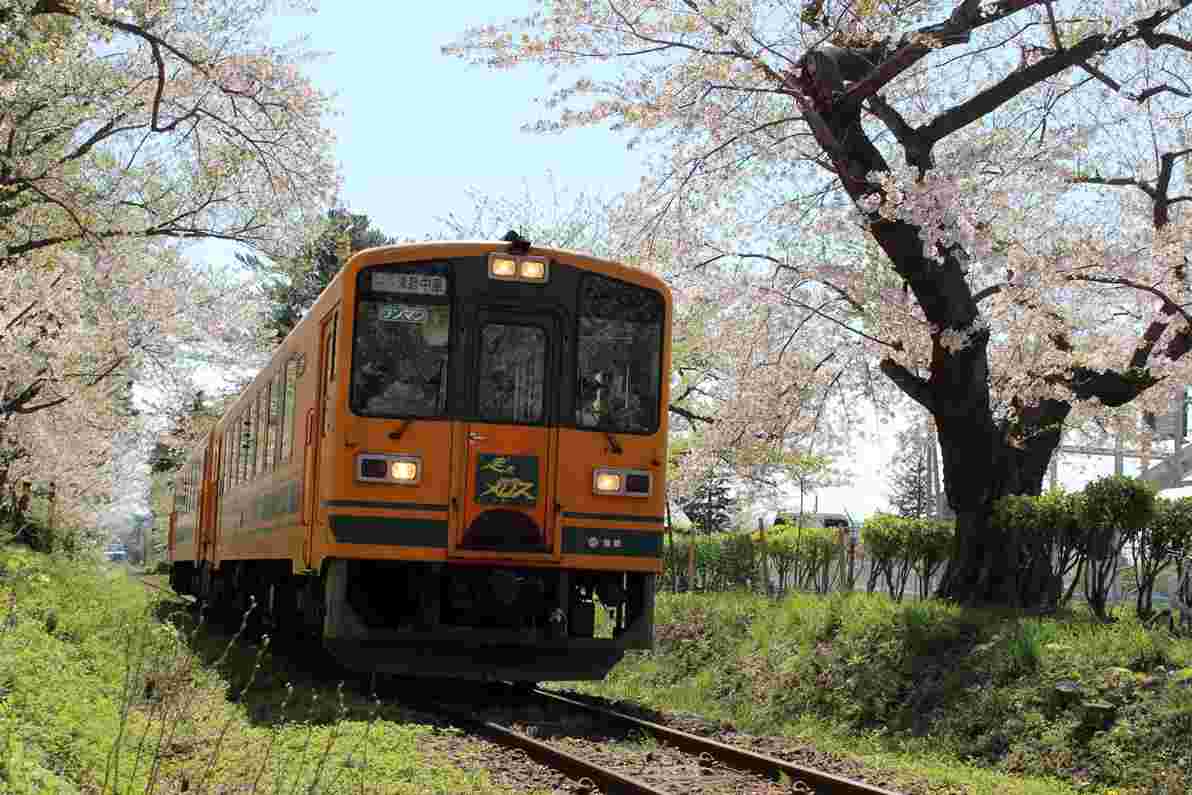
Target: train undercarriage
(442, 619)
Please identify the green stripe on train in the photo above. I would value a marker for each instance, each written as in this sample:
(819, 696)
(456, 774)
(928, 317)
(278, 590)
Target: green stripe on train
(389, 530)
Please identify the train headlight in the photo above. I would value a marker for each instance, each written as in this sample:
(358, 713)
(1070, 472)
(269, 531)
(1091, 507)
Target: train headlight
(404, 471)
(624, 482)
(607, 482)
(382, 468)
(513, 268)
(532, 269)
(502, 268)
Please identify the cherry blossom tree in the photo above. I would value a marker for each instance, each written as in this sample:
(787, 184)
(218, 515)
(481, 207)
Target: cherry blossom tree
(981, 198)
(128, 127)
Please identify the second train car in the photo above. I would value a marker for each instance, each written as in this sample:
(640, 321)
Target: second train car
(449, 465)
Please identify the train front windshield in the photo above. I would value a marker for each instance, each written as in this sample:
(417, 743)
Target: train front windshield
(403, 326)
(619, 361)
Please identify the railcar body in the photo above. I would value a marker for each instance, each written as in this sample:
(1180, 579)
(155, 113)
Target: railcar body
(452, 461)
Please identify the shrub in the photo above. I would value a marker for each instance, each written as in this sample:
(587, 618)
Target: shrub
(1115, 508)
(1048, 541)
(1165, 540)
(898, 545)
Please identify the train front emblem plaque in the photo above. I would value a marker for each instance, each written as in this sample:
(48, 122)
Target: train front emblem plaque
(507, 479)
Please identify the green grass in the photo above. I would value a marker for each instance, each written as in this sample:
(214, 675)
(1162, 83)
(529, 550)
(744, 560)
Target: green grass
(99, 694)
(966, 698)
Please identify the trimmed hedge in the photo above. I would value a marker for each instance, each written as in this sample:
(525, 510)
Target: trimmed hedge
(898, 545)
(803, 558)
(1079, 538)
(1058, 541)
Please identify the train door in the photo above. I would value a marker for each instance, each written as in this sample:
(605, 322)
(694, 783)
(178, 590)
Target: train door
(510, 445)
(320, 424)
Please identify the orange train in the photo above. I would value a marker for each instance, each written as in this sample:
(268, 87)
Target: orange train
(454, 458)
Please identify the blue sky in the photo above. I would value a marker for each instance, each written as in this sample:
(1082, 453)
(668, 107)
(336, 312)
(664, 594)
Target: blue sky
(417, 128)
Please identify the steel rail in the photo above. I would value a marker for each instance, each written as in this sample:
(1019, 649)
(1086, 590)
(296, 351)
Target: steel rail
(731, 756)
(608, 781)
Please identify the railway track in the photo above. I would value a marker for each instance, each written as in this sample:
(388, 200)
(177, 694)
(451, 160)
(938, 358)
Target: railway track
(690, 764)
(683, 762)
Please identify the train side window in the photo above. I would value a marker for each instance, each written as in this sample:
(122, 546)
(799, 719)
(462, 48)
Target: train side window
(331, 349)
(287, 423)
(275, 400)
(234, 451)
(262, 429)
(245, 445)
(254, 439)
(329, 380)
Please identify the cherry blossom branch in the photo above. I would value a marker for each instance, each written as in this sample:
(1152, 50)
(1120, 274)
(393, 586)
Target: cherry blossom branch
(690, 415)
(918, 150)
(1143, 96)
(896, 345)
(913, 386)
(997, 95)
(1134, 182)
(1154, 40)
(957, 29)
(668, 42)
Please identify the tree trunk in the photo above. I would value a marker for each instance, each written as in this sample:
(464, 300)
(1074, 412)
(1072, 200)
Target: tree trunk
(1067, 597)
(981, 466)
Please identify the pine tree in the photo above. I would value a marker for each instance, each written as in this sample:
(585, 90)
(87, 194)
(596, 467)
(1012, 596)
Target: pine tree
(711, 508)
(292, 287)
(190, 423)
(909, 480)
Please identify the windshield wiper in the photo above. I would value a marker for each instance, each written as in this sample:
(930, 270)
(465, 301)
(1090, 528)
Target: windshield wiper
(396, 435)
(613, 443)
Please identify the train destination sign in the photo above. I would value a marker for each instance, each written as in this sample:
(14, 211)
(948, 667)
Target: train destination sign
(409, 283)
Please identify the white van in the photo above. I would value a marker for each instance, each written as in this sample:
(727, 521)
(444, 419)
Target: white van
(1175, 493)
(814, 519)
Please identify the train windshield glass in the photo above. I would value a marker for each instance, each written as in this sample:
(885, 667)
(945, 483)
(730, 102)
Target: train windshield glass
(620, 347)
(399, 357)
(512, 375)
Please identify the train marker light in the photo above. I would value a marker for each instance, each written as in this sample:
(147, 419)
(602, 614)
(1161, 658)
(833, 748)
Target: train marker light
(606, 482)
